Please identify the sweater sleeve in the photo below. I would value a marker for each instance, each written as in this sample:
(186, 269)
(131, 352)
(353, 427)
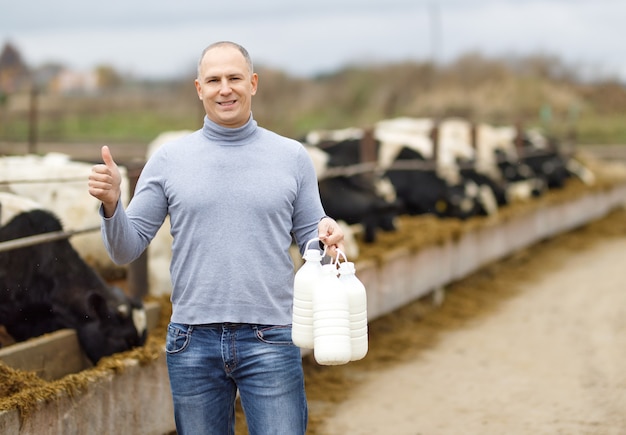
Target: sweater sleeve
(128, 232)
(308, 209)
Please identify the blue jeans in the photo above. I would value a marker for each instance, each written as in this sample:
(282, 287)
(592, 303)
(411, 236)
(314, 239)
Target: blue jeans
(207, 364)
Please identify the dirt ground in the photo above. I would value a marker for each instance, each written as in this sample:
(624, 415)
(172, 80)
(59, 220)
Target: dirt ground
(534, 344)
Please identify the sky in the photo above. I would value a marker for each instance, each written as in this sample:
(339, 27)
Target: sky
(156, 40)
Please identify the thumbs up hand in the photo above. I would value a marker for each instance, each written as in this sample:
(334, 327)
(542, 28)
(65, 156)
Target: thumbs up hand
(105, 182)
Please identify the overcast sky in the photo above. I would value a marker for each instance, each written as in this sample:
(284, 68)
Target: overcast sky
(164, 39)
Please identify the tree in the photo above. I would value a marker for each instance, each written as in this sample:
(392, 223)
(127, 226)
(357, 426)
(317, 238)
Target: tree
(14, 73)
(107, 77)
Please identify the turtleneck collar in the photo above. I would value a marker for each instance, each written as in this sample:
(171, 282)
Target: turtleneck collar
(229, 136)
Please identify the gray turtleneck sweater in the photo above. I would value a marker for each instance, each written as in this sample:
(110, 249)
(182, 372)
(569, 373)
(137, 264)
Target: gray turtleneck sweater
(235, 197)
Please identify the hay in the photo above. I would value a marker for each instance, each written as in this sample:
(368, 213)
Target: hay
(23, 391)
(417, 232)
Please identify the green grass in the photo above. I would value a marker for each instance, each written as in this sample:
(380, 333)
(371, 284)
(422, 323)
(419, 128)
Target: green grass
(141, 127)
(601, 129)
(112, 127)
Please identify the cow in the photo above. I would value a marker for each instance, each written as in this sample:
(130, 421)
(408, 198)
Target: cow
(482, 154)
(11, 205)
(402, 139)
(362, 198)
(354, 199)
(546, 159)
(423, 191)
(459, 194)
(57, 183)
(497, 159)
(486, 183)
(48, 286)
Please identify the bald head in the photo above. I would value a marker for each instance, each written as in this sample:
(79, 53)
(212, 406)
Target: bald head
(239, 48)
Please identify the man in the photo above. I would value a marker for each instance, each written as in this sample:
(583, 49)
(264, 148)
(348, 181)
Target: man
(235, 194)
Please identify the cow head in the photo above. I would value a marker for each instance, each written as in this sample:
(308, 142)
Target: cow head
(112, 325)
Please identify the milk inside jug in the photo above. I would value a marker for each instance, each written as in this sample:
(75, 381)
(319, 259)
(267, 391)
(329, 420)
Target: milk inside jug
(305, 280)
(331, 319)
(357, 300)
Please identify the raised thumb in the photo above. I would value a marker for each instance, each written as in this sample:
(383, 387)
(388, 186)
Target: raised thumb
(107, 158)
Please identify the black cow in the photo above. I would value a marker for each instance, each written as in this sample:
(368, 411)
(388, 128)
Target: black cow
(48, 286)
(357, 198)
(354, 200)
(496, 187)
(518, 175)
(423, 191)
(548, 162)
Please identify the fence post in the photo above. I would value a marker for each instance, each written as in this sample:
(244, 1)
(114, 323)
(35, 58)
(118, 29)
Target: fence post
(32, 119)
(519, 139)
(369, 153)
(434, 136)
(474, 135)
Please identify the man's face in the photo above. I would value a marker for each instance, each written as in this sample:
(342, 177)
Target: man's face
(226, 86)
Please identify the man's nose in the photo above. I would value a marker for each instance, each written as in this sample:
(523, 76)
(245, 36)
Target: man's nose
(225, 87)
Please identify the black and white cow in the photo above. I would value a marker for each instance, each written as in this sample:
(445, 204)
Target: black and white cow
(423, 191)
(363, 198)
(438, 189)
(354, 200)
(438, 185)
(546, 158)
(48, 286)
(497, 164)
(57, 183)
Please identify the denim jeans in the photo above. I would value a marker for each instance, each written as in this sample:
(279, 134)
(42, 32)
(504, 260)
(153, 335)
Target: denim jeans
(207, 364)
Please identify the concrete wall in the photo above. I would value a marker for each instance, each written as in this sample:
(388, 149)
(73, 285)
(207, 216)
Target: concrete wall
(406, 276)
(134, 401)
(137, 400)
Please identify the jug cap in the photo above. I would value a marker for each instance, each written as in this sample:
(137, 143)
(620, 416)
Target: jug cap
(347, 267)
(329, 268)
(312, 255)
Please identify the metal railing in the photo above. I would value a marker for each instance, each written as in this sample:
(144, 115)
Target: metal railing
(38, 239)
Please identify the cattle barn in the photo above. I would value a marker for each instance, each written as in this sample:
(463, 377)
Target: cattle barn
(422, 255)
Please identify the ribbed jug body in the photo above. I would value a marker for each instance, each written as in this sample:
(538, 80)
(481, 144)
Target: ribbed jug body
(331, 320)
(305, 280)
(357, 299)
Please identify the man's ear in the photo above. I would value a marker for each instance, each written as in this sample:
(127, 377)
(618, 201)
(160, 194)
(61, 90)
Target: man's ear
(198, 89)
(255, 82)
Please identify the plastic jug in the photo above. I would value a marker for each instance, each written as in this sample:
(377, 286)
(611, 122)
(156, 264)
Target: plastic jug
(357, 299)
(305, 280)
(331, 319)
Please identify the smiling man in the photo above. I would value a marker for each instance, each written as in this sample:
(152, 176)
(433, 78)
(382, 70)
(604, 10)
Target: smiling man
(226, 83)
(235, 193)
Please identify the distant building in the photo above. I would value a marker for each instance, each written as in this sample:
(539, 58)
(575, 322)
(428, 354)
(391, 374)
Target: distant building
(68, 82)
(14, 74)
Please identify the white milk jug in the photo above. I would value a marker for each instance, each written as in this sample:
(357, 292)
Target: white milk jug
(305, 280)
(331, 319)
(357, 299)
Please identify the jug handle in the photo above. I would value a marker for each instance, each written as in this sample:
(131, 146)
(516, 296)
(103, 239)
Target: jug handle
(340, 253)
(306, 247)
